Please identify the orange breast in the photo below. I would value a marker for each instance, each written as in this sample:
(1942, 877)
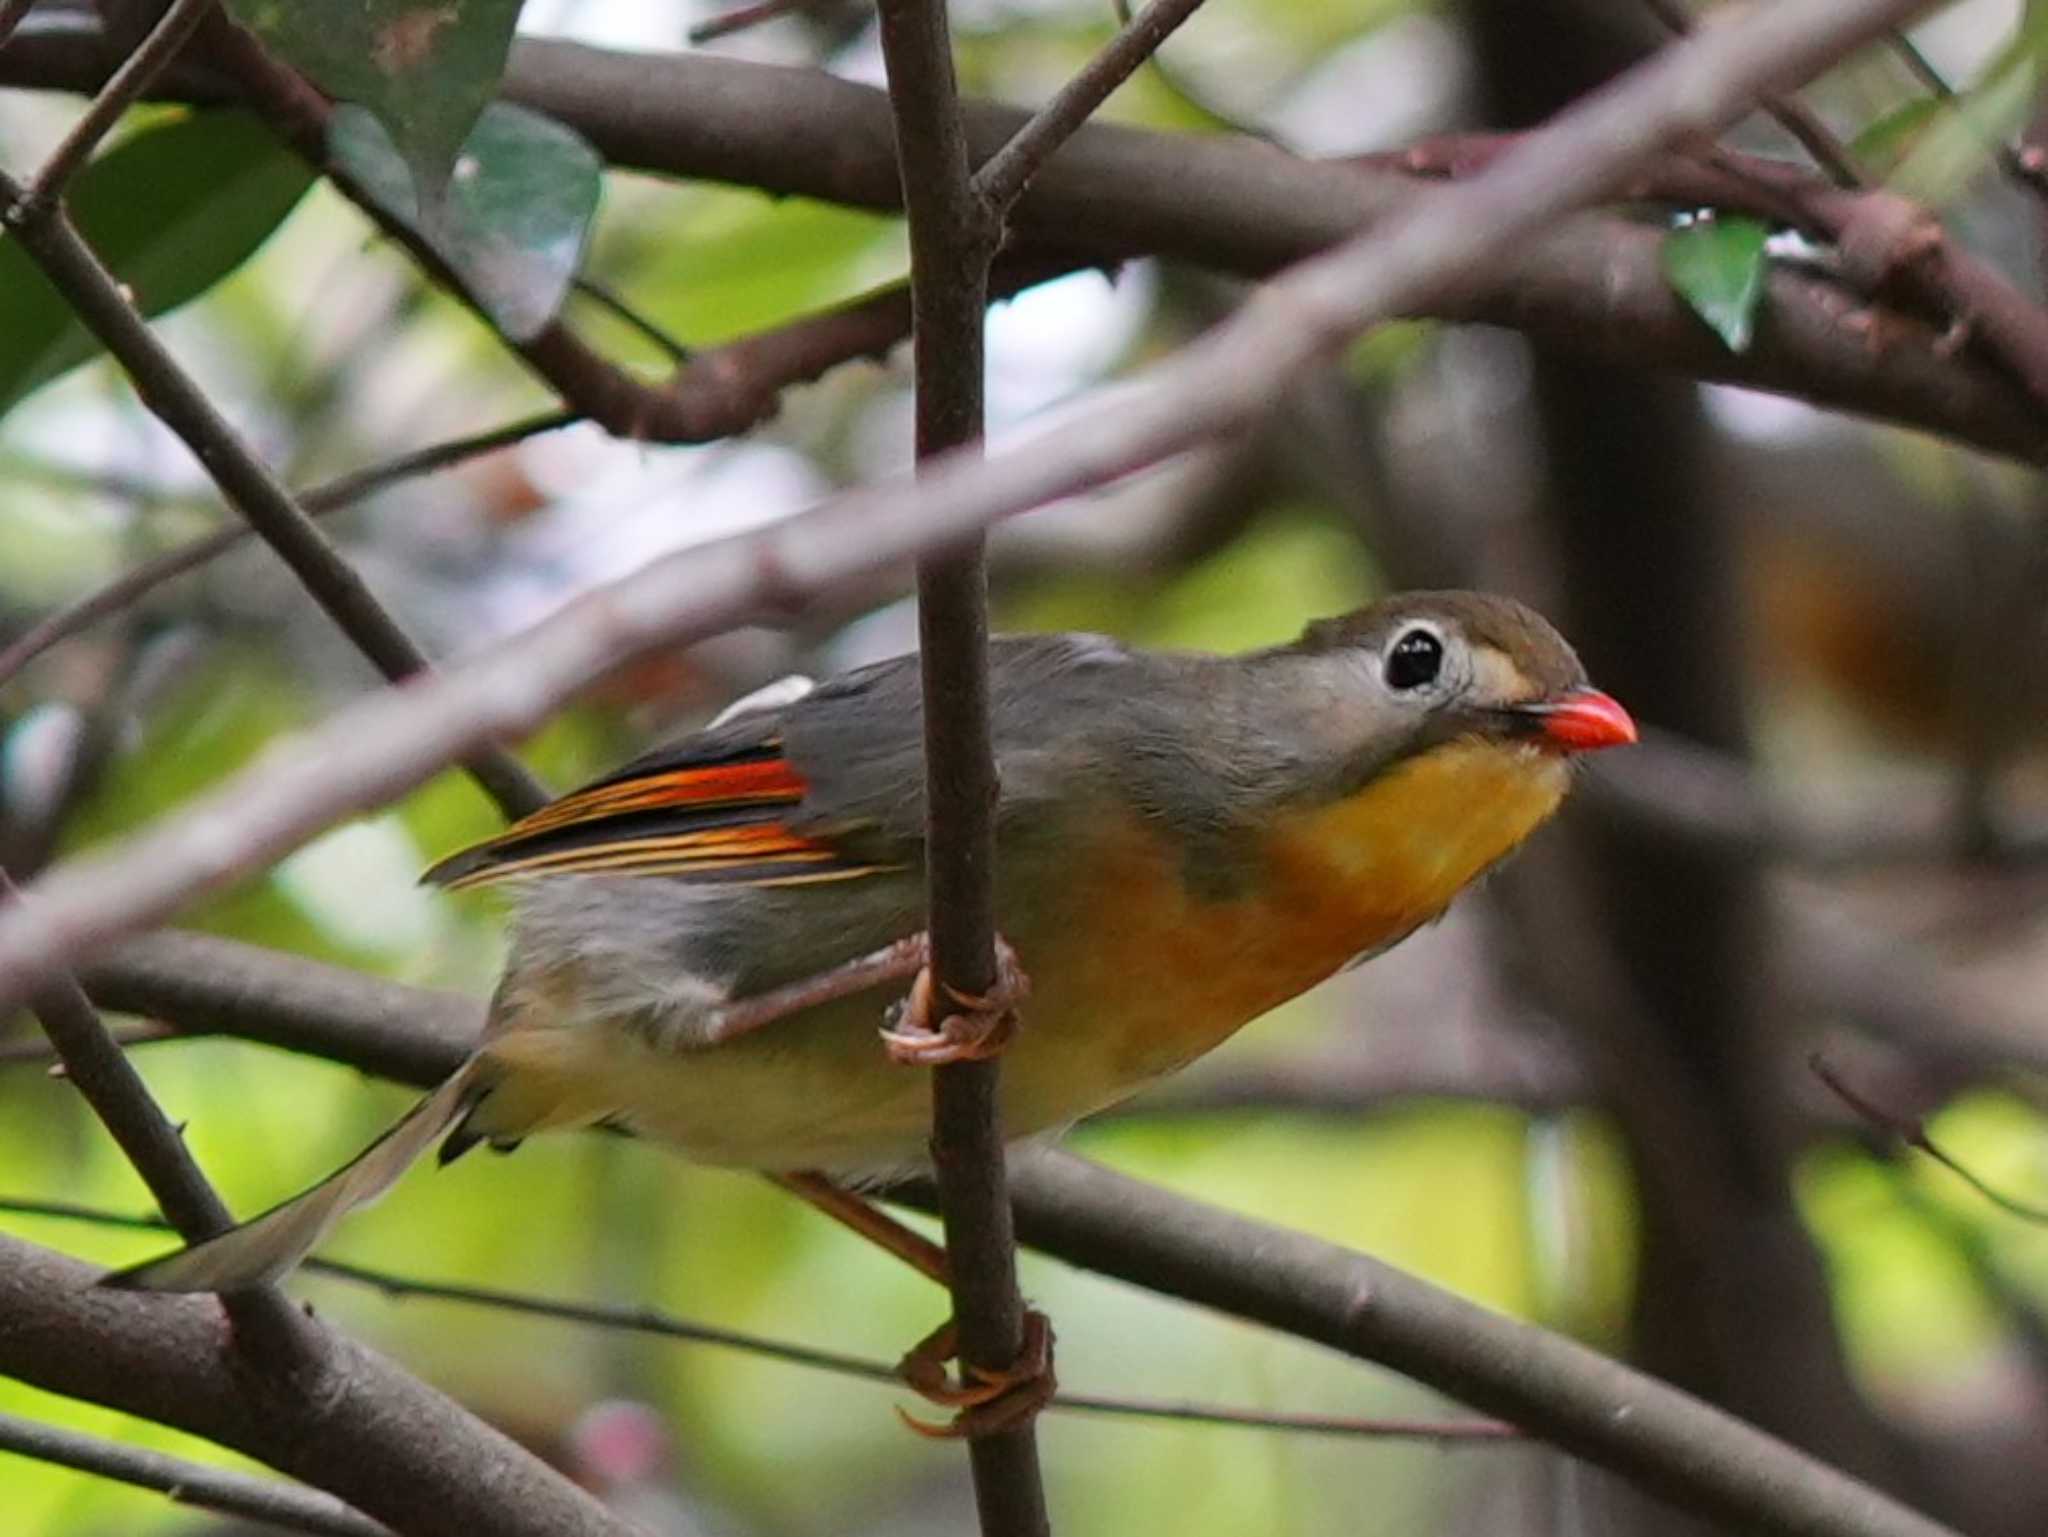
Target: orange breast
(1162, 974)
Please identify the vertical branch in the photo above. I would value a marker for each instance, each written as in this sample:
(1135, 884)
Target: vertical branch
(952, 240)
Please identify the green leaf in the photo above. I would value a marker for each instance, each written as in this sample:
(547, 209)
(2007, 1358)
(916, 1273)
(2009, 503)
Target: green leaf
(171, 210)
(518, 211)
(1717, 266)
(1889, 139)
(425, 67)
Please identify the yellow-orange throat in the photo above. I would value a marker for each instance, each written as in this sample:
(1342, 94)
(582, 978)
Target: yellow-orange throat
(1394, 854)
(1337, 881)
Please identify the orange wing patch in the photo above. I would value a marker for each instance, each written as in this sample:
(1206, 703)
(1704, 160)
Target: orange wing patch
(717, 821)
(766, 781)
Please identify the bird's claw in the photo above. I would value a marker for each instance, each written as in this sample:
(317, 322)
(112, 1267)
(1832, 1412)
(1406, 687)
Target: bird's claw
(988, 1400)
(976, 1026)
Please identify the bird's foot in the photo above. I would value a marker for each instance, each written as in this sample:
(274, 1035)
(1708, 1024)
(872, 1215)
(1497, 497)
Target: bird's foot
(975, 1026)
(986, 1401)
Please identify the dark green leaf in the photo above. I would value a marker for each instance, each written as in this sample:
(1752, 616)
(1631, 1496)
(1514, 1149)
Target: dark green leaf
(425, 67)
(518, 211)
(1717, 266)
(171, 211)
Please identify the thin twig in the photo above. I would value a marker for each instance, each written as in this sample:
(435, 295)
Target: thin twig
(267, 1328)
(1911, 1132)
(665, 1325)
(11, 14)
(271, 1501)
(1921, 67)
(746, 16)
(172, 31)
(344, 491)
(34, 1049)
(1884, 242)
(1792, 115)
(49, 238)
(603, 297)
(1003, 178)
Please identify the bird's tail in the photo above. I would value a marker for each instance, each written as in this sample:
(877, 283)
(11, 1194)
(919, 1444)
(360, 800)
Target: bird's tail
(265, 1248)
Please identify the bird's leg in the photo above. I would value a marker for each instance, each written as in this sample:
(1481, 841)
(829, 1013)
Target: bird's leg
(986, 1401)
(905, 958)
(861, 1215)
(973, 1027)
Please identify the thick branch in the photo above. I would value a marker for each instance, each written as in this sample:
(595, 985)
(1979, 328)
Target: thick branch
(1668, 1442)
(1559, 1390)
(350, 1423)
(1591, 284)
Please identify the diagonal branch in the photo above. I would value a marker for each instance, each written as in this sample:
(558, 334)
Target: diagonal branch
(269, 1332)
(346, 491)
(126, 87)
(1697, 1456)
(1002, 179)
(1564, 1392)
(48, 236)
(382, 745)
(266, 1500)
(348, 1421)
(661, 1325)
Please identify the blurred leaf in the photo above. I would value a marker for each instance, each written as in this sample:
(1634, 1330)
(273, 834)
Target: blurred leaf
(517, 213)
(171, 211)
(1717, 266)
(214, 723)
(719, 262)
(1960, 144)
(1883, 144)
(424, 67)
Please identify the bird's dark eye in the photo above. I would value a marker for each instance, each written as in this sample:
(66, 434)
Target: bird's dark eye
(1414, 660)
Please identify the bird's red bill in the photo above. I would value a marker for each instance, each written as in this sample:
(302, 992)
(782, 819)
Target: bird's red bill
(1586, 721)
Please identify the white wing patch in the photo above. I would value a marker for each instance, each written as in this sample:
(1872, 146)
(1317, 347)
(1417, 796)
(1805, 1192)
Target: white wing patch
(772, 696)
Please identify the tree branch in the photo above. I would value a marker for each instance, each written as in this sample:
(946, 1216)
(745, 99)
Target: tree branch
(349, 1421)
(268, 1500)
(268, 1333)
(1592, 284)
(345, 491)
(1003, 178)
(662, 1325)
(1698, 1457)
(122, 91)
(97, 299)
(383, 745)
(1090, 1217)
(953, 237)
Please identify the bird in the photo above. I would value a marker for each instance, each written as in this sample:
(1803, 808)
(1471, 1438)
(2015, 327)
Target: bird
(706, 944)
